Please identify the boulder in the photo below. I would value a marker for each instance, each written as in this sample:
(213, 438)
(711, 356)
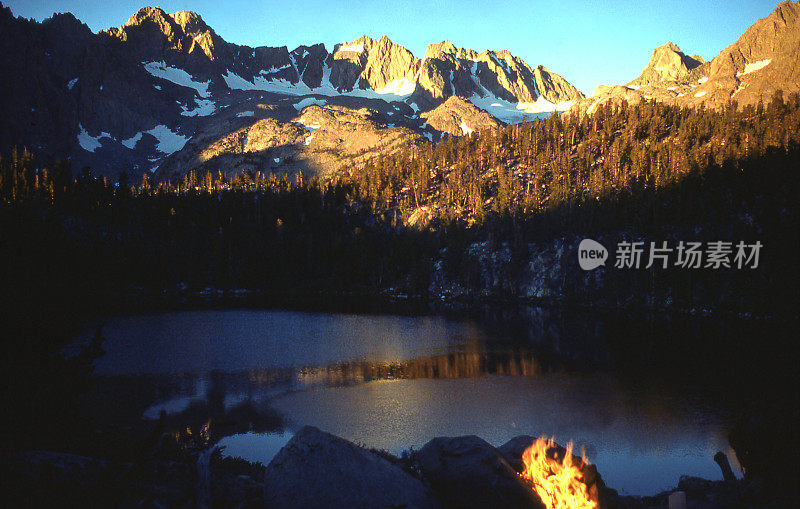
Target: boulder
(513, 449)
(468, 472)
(317, 469)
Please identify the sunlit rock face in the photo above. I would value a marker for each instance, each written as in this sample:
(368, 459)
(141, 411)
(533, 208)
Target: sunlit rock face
(668, 63)
(752, 69)
(459, 117)
(761, 62)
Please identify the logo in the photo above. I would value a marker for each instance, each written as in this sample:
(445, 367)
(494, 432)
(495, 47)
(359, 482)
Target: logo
(591, 254)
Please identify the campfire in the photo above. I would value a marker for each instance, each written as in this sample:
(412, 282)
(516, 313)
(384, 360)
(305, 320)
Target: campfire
(560, 479)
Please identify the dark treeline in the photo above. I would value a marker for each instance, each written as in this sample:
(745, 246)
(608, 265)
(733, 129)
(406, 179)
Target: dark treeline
(652, 170)
(525, 169)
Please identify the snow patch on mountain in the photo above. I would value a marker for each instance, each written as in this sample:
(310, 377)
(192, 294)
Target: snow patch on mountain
(169, 141)
(273, 69)
(132, 141)
(465, 128)
(514, 112)
(400, 87)
(355, 48)
(72, 83)
(396, 90)
(177, 76)
(748, 68)
(591, 108)
(308, 101)
(309, 127)
(279, 86)
(204, 108)
(88, 142)
(245, 114)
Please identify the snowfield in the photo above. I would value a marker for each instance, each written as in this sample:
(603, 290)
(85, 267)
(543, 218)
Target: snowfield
(88, 142)
(399, 87)
(514, 112)
(308, 101)
(132, 141)
(397, 90)
(204, 108)
(169, 142)
(355, 48)
(177, 76)
(748, 68)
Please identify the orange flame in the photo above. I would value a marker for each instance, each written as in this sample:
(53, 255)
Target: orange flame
(560, 484)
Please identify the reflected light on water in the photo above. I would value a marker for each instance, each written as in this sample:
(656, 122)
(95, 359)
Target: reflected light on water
(395, 382)
(639, 447)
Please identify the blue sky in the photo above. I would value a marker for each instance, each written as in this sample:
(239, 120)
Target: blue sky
(587, 42)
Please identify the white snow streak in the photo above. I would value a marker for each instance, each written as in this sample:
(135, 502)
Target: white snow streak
(398, 87)
(748, 68)
(514, 112)
(132, 141)
(308, 101)
(356, 48)
(177, 76)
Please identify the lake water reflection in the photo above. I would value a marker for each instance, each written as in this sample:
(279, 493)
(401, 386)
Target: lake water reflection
(395, 382)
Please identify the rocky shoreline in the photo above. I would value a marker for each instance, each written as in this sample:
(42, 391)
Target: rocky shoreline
(317, 469)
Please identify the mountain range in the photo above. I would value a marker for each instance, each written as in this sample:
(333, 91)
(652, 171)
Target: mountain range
(164, 94)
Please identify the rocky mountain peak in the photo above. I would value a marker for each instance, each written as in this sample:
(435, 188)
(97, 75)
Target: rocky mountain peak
(190, 22)
(440, 49)
(762, 61)
(153, 31)
(667, 64)
(389, 63)
(63, 21)
(358, 46)
(151, 15)
(459, 117)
